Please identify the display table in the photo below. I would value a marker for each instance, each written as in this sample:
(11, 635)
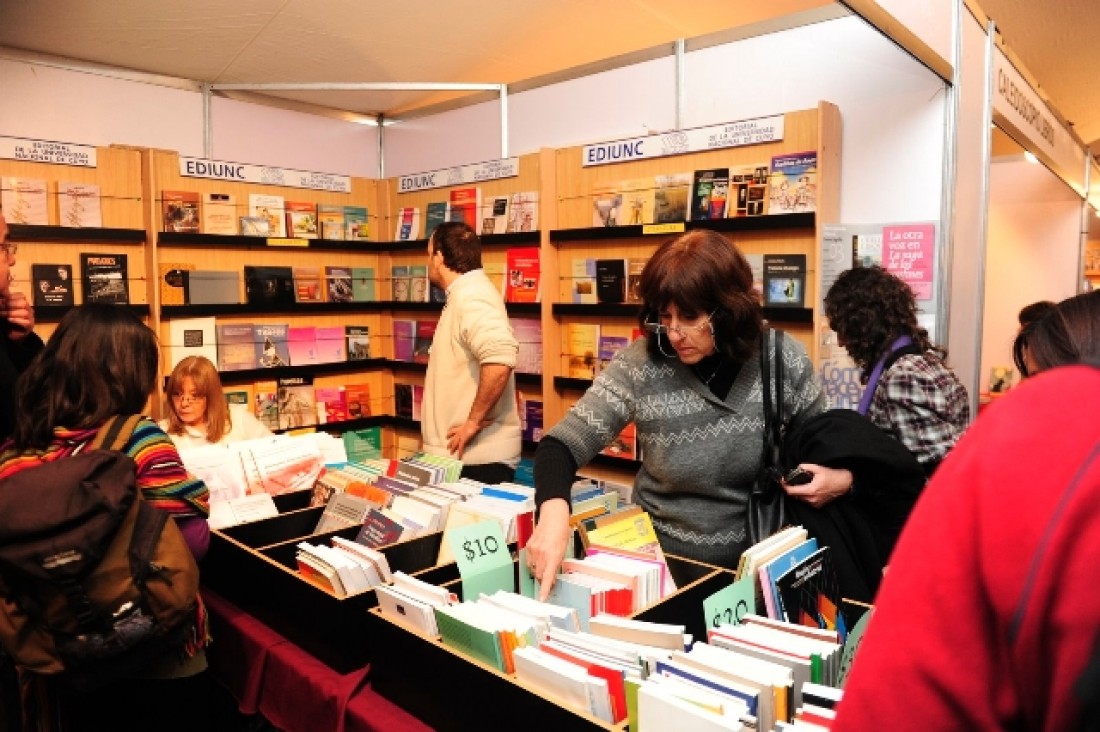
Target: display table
(269, 675)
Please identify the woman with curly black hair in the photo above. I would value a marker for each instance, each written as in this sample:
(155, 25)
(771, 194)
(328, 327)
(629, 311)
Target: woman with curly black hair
(910, 392)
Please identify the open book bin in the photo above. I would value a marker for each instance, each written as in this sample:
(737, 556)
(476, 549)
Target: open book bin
(253, 565)
(469, 694)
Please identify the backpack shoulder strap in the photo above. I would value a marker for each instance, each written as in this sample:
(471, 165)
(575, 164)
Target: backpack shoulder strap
(115, 432)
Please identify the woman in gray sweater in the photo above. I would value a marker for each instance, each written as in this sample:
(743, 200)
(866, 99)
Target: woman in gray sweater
(692, 387)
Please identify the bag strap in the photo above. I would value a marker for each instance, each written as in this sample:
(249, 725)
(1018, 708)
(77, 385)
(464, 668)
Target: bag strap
(773, 410)
(115, 432)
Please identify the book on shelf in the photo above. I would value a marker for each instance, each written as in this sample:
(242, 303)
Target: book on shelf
(301, 219)
(338, 284)
(256, 226)
(269, 207)
(332, 344)
(607, 203)
(330, 222)
(785, 280)
(297, 402)
(583, 283)
(358, 342)
(792, 183)
(582, 348)
(494, 215)
(408, 224)
(419, 290)
(422, 346)
(270, 345)
(308, 285)
(523, 212)
(53, 285)
(236, 349)
(23, 201)
(756, 265)
(357, 400)
(363, 284)
(301, 343)
(269, 285)
(404, 335)
(634, 267)
(708, 197)
(465, 206)
(867, 250)
(79, 204)
(403, 401)
(105, 278)
(523, 278)
(174, 282)
(191, 337)
(609, 345)
(611, 280)
(528, 333)
(435, 213)
(356, 223)
(180, 211)
(219, 214)
(532, 420)
(399, 282)
(769, 571)
(266, 396)
(332, 404)
(671, 198)
(748, 183)
(212, 287)
(637, 203)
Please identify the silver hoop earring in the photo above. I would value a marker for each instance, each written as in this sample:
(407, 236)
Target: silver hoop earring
(661, 348)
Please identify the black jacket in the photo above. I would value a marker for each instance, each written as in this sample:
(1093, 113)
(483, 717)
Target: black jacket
(862, 527)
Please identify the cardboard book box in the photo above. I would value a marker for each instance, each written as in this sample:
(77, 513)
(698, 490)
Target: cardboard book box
(254, 566)
(401, 655)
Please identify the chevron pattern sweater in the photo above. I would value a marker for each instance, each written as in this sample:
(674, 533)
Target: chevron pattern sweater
(700, 455)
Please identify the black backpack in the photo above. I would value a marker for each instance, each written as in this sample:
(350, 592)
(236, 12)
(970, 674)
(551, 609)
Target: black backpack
(95, 583)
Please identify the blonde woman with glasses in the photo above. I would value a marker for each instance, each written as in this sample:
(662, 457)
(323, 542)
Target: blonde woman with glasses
(692, 386)
(198, 413)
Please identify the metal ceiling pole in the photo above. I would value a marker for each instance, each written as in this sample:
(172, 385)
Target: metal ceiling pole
(983, 223)
(1082, 245)
(503, 121)
(207, 126)
(380, 122)
(680, 84)
(948, 183)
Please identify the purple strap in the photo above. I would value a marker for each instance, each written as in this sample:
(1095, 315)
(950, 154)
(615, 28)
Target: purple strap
(876, 374)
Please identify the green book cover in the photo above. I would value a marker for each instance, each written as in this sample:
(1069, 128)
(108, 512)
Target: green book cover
(362, 445)
(481, 644)
(437, 212)
(356, 223)
(363, 284)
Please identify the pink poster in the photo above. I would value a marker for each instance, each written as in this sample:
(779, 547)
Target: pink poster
(908, 252)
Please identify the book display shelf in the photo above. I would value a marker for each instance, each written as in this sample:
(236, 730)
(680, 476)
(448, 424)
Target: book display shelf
(577, 320)
(62, 226)
(402, 653)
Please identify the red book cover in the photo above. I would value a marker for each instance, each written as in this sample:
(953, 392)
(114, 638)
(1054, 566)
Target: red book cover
(465, 203)
(522, 281)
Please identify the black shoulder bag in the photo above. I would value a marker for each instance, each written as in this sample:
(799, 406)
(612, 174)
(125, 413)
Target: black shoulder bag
(768, 511)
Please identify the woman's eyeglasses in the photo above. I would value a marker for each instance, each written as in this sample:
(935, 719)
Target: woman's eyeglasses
(9, 248)
(185, 398)
(680, 330)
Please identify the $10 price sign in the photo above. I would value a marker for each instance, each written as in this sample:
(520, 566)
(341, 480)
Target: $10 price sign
(484, 562)
(728, 606)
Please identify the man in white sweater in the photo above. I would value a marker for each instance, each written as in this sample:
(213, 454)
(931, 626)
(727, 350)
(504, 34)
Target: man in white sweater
(469, 392)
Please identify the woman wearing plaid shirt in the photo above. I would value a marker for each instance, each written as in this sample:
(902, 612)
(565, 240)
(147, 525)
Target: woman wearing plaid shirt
(911, 393)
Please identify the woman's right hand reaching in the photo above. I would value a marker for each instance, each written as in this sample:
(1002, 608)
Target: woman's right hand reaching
(546, 547)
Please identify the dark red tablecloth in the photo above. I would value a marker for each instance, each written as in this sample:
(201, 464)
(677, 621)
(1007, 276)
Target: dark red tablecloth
(293, 690)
